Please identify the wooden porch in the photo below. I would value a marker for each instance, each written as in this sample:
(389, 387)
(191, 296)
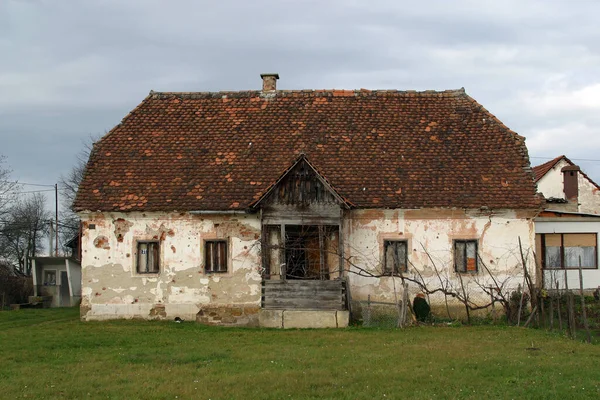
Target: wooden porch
(305, 294)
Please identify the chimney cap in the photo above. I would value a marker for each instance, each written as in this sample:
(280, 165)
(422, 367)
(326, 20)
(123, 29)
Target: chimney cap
(274, 74)
(571, 168)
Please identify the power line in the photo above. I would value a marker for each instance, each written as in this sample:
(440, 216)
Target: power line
(573, 159)
(32, 184)
(36, 191)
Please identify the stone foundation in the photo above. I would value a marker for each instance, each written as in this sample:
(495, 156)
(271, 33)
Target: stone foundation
(229, 316)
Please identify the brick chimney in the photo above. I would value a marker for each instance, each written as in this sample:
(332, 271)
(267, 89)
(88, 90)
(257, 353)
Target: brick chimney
(269, 82)
(571, 186)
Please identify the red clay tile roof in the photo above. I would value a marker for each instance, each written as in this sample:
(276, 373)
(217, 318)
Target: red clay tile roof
(377, 149)
(540, 170)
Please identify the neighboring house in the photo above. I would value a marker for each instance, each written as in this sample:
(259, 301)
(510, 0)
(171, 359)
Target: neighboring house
(58, 279)
(235, 207)
(568, 229)
(566, 187)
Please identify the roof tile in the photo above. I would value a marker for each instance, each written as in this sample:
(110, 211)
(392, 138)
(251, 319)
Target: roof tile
(387, 149)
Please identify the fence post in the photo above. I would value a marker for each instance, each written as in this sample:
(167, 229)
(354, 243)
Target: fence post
(551, 310)
(522, 289)
(368, 310)
(558, 309)
(583, 311)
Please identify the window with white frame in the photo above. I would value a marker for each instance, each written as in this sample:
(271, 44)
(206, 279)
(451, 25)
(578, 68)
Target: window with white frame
(49, 277)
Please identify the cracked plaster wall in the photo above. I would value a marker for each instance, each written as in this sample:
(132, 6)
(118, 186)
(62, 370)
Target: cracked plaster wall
(497, 234)
(111, 287)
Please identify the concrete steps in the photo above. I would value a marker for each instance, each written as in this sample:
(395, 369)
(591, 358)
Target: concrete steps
(294, 318)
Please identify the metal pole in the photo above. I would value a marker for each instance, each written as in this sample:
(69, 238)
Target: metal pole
(56, 211)
(51, 238)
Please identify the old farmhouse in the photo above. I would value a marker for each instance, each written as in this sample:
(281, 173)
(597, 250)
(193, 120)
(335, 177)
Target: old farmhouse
(263, 206)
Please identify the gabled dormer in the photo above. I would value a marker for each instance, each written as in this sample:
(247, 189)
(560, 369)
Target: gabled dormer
(301, 195)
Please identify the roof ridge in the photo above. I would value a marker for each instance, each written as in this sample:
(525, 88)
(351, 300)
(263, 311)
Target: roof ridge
(455, 92)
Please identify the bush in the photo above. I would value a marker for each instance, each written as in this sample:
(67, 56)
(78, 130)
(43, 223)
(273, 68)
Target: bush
(512, 313)
(14, 288)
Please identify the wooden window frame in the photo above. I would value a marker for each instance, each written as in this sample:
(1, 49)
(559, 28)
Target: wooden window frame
(466, 242)
(137, 257)
(562, 251)
(209, 267)
(396, 268)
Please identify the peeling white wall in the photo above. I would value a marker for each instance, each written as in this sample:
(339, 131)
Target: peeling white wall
(589, 196)
(497, 234)
(551, 184)
(111, 287)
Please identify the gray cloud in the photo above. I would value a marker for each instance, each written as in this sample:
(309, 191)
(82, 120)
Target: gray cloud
(74, 68)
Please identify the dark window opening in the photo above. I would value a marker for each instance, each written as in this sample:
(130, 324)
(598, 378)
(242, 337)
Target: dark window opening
(395, 256)
(303, 252)
(465, 256)
(147, 258)
(215, 256)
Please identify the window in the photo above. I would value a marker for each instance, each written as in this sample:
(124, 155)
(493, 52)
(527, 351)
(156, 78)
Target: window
(215, 256)
(465, 256)
(147, 258)
(395, 256)
(563, 250)
(49, 277)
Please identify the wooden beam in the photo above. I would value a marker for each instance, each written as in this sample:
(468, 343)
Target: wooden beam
(282, 260)
(265, 252)
(341, 243)
(322, 254)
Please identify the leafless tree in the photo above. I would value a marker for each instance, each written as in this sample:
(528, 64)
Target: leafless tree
(8, 188)
(68, 185)
(25, 224)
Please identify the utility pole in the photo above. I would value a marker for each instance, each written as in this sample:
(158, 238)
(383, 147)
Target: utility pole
(51, 237)
(56, 231)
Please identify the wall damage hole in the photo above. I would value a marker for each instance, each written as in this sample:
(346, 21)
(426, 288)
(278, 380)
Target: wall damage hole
(121, 228)
(101, 242)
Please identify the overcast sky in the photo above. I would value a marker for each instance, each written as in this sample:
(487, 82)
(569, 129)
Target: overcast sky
(70, 69)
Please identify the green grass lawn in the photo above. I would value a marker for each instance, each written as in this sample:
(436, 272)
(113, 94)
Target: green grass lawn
(51, 354)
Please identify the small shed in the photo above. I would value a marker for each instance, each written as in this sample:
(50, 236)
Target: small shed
(58, 277)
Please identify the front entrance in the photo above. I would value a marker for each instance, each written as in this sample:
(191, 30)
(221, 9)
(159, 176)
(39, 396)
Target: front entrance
(307, 252)
(302, 226)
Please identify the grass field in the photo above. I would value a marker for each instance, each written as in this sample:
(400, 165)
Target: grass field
(51, 354)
